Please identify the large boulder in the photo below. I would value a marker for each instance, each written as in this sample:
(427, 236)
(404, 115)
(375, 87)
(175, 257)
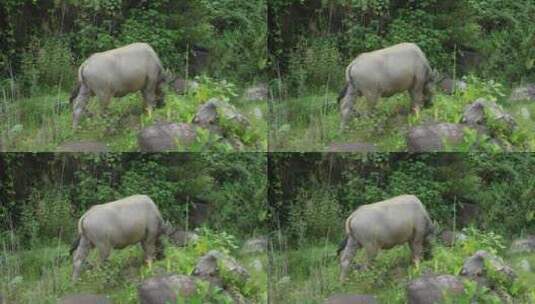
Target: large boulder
(480, 111)
(208, 265)
(82, 146)
(215, 109)
(256, 245)
(84, 299)
(182, 238)
(166, 289)
(526, 92)
(474, 267)
(433, 289)
(523, 245)
(351, 299)
(165, 136)
(429, 138)
(256, 93)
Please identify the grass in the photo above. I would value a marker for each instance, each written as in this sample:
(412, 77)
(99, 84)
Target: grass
(311, 122)
(42, 122)
(310, 274)
(43, 273)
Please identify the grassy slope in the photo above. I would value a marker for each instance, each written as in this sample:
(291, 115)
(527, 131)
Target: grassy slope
(43, 122)
(310, 274)
(311, 123)
(42, 275)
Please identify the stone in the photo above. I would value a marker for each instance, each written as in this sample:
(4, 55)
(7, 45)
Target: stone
(182, 86)
(524, 265)
(474, 267)
(208, 266)
(449, 237)
(476, 114)
(83, 146)
(209, 112)
(523, 93)
(448, 86)
(523, 245)
(256, 245)
(166, 289)
(165, 136)
(182, 238)
(430, 138)
(431, 289)
(258, 92)
(84, 299)
(468, 213)
(351, 299)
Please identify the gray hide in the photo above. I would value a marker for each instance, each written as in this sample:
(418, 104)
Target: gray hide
(118, 224)
(116, 73)
(385, 72)
(383, 225)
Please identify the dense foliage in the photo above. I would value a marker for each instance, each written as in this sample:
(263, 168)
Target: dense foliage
(312, 41)
(44, 194)
(42, 41)
(312, 194)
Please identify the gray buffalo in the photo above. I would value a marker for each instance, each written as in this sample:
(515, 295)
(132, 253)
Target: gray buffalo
(116, 73)
(385, 72)
(383, 225)
(116, 225)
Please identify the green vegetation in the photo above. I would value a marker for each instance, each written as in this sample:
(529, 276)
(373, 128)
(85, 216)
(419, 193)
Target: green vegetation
(312, 42)
(311, 195)
(43, 195)
(44, 43)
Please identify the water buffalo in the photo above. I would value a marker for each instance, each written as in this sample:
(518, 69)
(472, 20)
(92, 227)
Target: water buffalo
(383, 225)
(385, 72)
(118, 224)
(116, 73)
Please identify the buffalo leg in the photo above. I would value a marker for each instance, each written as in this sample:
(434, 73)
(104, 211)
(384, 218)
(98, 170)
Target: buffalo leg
(104, 251)
(79, 256)
(346, 107)
(79, 104)
(371, 100)
(416, 246)
(149, 249)
(371, 253)
(417, 98)
(149, 97)
(347, 257)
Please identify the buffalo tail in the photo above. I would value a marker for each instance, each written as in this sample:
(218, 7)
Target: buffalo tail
(74, 245)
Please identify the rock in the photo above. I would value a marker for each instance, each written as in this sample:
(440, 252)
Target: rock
(209, 112)
(526, 92)
(199, 213)
(449, 237)
(524, 112)
(182, 238)
(431, 289)
(468, 213)
(448, 86)
(207, 266)
(523, 245)
(1, 299)
(257, 92)
(354, 147)
(83, 146)
(468, 60)
(524, 265)
(351, 299)
(165, 136)
(166, 289)
(182, 86)
(429, 138)
(477, 113)
(257, 265)
(474, 267)
(84, 299)
(258, 113)
(256, 245)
